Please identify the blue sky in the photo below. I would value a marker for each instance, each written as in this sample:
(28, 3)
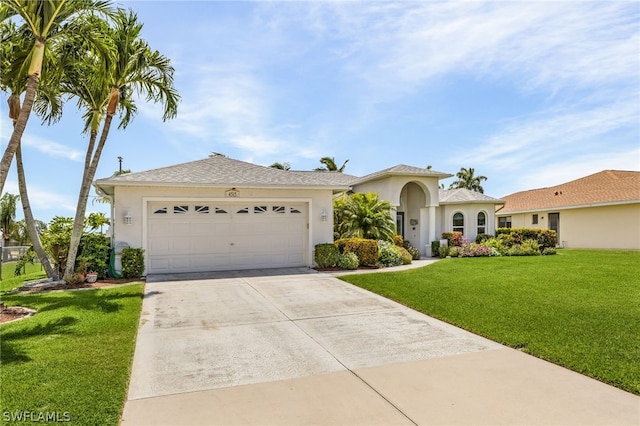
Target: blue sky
(530, 94)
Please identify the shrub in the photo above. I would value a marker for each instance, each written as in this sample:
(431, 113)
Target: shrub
(476, 250)
(398, 240)
(366, 250)
(506, 240)
(481, 238)
(132, 262)
(435, 247)
(548, 251)
(348, 261)
(452, 252)
(406, 256)
(454, 238)
(93, 254)
(444, 251)
(388, 254)
(527, 248)
(544, 237)
(495, 244)
(414, 252)
(326, 255)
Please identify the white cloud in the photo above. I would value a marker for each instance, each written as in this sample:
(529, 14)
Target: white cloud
(50, 148)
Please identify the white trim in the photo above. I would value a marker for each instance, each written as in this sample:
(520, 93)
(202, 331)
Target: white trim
(308, 201)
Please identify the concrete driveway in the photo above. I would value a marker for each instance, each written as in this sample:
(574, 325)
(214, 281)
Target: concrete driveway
(298, 347)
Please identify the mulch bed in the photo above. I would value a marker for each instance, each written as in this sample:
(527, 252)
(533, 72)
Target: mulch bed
(10, 313)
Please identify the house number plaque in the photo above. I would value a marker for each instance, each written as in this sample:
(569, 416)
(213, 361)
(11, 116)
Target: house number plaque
(232, 193)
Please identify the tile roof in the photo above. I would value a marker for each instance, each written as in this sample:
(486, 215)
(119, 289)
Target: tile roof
(606, 187)
(224, 171)
(462, 195)
(402, 169)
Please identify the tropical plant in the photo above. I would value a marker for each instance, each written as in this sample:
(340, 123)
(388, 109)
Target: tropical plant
(330, 165)
(96, 221)
(103, 91)
(468, 180)
(8, 204)
(363, 215)
(281, 166)
(41, 23)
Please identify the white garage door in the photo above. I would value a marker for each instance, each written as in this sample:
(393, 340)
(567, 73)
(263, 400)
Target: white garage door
(201, 236)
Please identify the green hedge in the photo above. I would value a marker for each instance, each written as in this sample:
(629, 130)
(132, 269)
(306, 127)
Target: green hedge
(326, 255)
(366, 250)
(544, 237)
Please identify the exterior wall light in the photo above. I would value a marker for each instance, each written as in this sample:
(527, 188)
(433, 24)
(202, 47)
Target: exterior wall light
(324, 215)
(128, 218)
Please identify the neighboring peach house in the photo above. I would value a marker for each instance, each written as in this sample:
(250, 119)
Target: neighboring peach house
(220, 214)
(597, 211)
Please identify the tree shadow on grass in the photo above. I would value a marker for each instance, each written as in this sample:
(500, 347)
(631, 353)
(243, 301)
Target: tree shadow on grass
(10, 344)
(106, 301)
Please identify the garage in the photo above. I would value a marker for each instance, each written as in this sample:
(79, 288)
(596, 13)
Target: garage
(219, 235)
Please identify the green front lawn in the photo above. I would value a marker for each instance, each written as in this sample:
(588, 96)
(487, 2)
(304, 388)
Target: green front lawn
(73, 358)
(579, 309)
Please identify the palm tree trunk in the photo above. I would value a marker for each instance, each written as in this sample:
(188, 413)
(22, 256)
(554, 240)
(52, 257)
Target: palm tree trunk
(28, 218)
(18, 128)
(83, 197)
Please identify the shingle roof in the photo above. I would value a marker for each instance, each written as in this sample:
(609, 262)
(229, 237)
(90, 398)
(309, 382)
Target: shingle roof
(462, 195)
(402, 169)
(224, 171)
(606, 187)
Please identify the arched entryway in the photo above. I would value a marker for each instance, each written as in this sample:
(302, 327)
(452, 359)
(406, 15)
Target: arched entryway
(415, 216)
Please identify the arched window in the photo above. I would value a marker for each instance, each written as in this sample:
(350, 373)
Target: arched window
(482, 223)
(458, 222)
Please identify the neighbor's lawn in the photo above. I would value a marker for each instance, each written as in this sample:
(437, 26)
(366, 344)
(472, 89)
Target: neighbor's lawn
(579, 309)
(33, 271)
(74, 356)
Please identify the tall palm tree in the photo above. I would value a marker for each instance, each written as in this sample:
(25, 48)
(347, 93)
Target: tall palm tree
(14, 49)
(468, 180)
(102, 92)
(363, 215)
(43, 21)
(8, 205)
(330, 165)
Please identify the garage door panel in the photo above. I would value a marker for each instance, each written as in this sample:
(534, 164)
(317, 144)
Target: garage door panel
(267, 235)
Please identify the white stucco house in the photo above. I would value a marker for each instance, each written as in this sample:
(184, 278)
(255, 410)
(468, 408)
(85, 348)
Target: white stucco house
(222, 214)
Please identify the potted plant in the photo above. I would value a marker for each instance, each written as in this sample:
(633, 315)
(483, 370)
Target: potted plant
(91, 277)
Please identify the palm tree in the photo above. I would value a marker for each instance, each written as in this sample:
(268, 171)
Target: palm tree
(102, 92)
(281, 166)
(363, 215)
(466, 179)
(330, 165)
(43, 21)
(14, 49)
(8, 204)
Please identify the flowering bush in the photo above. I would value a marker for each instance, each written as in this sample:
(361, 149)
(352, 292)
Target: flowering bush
(476, 250)
(454, 238)
(388, 254)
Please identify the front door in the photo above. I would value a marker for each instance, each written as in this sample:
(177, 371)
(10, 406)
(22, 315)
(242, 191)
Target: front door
(554, 224)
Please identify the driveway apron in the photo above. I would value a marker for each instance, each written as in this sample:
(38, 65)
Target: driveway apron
(292, 346)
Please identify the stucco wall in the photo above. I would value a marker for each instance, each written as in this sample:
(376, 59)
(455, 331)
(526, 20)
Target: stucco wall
(470, 212)
(132, 199)
(606, 227)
